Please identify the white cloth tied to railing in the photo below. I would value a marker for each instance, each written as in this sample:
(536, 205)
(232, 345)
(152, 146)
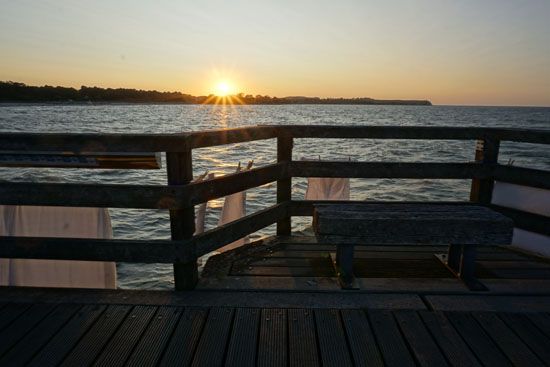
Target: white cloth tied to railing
(327, 188)
(49, 221)
(234, 207)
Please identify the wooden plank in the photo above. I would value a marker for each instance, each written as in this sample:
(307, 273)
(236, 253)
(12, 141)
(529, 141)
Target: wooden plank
(11, 312)
(120, 346)
(11, 334)
(417, 132)
(529, 334)
(528, 221)
(332, 339)
(210, 138)
(507, 340)
(361, 339)
(179, 167)
(205, 190)
(53, 353)
(541, 321)
(392, 346)
(535, 136)
(283, 271)
(137, 196)
(71, 160)
(302, 341)
(389, 268)
(100, 142)
(411, 224)
(93, 142)
(155, 338)
(89, 195)
(479, 342)
(389, 170)
(285, 262)
(425, 350)
(35, 339)
(453, 347)
(184, 340)
(523, 176)
(213, 342)
(500, 303)
(91, 344)
(86, 142)
(305, 207)
(141, 251)
(284, 184)
(272, 344)
(214, 239)
(244, 338)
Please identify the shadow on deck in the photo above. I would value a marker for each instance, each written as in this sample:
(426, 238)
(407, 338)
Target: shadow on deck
(300, 263)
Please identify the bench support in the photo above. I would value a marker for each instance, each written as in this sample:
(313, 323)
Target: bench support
(461, 261)
(344, 266)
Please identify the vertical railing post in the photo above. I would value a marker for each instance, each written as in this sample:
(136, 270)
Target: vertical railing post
(486, 153)
(179, 167)
(284, 186)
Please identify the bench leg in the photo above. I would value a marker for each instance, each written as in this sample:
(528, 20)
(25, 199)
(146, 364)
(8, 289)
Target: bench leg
(454, 257)
(467, 269)
(344, 266)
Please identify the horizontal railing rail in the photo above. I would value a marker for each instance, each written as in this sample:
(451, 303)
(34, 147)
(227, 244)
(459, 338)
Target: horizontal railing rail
(137, 196)
(180, 194)
(181, 142)
(389, 170)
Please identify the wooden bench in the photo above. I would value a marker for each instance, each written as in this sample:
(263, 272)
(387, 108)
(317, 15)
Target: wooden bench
(463, 227)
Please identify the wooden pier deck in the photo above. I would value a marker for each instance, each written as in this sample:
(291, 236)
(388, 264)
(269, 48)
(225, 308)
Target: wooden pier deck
(282, 306)
(211, 328)
(301, 263)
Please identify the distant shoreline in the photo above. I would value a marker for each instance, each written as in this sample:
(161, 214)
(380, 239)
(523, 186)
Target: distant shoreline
(13, 92)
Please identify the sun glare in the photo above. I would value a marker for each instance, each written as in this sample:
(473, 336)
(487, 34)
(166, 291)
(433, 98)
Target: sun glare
(223, 89)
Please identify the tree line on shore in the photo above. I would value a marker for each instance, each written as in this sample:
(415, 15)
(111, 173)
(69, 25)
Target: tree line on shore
(20, 92)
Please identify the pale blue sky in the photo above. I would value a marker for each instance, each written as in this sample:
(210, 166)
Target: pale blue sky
(452, 52)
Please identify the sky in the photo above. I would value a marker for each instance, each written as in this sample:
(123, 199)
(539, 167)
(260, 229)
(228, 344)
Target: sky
(467, 52)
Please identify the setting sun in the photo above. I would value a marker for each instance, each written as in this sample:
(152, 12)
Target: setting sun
(223, 89)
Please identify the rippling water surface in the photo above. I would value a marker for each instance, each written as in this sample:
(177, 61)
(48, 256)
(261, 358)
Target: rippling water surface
(154, 224)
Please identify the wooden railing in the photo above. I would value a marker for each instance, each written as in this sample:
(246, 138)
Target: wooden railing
(180, 195)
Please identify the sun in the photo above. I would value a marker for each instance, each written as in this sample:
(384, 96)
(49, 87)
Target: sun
(223, 89)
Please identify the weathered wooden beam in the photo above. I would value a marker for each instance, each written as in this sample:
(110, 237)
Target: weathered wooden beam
(388, 170)
(487, 154)
(416, 132)
(284, 184)
(182, 221)
(523, 176)
(202, 139)
(527, 221)
(137, 196)
(214, 239)
(304, 208)
(93, 142)
(383, 132)
(521, 135)
(140, 251)
(200, 192)
(411, 224)
(71, 160)
(89, 195)
(180, 142)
